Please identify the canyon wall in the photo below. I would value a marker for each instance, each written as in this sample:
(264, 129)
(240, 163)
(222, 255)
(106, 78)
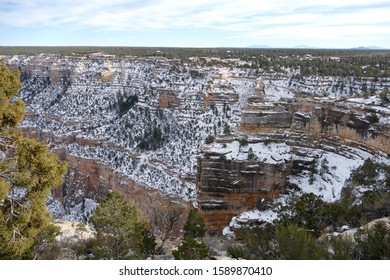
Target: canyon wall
(88, 180)
(277, 143)
(140, 125)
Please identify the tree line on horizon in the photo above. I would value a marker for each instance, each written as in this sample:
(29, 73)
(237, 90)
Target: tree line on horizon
(322, 62)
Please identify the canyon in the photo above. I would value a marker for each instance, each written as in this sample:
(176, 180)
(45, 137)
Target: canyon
(217, 138)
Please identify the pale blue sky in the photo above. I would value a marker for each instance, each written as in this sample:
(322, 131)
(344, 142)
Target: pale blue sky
(196, 23)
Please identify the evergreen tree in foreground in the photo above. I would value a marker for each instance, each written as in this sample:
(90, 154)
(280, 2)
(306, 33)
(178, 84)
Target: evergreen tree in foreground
(192, 248)
(194, 226)
(27, 173)
(121, 233)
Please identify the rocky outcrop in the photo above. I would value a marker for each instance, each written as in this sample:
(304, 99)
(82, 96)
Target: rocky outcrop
(227, 187)
(318, 117)
(349, 234)
(168, 99)
(72, 232)
(333, 86)
(265, 114)
(278, 144)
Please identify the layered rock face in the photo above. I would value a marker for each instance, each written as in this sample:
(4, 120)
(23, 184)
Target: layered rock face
(324, 85)
(323, 117)
(227, 187)
(304, 144)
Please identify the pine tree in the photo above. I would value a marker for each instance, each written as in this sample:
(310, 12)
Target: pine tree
(119, 230)
(195, 226)
(11, 113)
(148, 244)
(27, 173)
(191, 249)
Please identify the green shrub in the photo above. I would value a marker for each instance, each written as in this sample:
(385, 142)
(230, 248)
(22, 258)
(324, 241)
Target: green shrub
(384, 95)
(209, 139)
(258, 243)
(194, 226)
(119, 229)
(226, 129)
(373, 118)
(343, 248)
(296, 243)
(376, 204)
(366, 174)
(251, 154)
(191, 249)
(263, 204)
(148, 245)
(373, 243)
(237, 251)
(243, 141)
(309, 212)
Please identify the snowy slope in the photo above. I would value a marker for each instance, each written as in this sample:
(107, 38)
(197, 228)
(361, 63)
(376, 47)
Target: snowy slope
(114, 103)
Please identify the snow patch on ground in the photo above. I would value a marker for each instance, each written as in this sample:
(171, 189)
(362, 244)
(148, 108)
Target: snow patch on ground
(79, 212)
(328, 182)
(275, 90)
(384, 121)
(267, 216)
(227, 232)
(73, 231)
(264, 152)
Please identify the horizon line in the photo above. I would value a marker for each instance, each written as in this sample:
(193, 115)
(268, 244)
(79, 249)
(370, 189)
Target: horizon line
(197, 47)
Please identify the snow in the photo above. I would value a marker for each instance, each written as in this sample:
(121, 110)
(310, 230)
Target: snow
(372, 100)
(266, 216)
(372, 104)
(270, 152)
(246, 218)
(345, 227)
(277, 90)
(17, 193)
(79, 212)
(330, 86)
(381, 109)
(81, 106)
(227, 232)
(329, 184)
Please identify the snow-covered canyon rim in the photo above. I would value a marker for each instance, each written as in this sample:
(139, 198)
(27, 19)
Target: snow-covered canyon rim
(149, 118)
(138, 135)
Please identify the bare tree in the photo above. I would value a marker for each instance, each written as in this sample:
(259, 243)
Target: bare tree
(165, 218)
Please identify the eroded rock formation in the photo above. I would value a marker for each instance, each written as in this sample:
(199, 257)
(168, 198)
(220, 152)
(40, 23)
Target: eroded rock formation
(283, 145)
